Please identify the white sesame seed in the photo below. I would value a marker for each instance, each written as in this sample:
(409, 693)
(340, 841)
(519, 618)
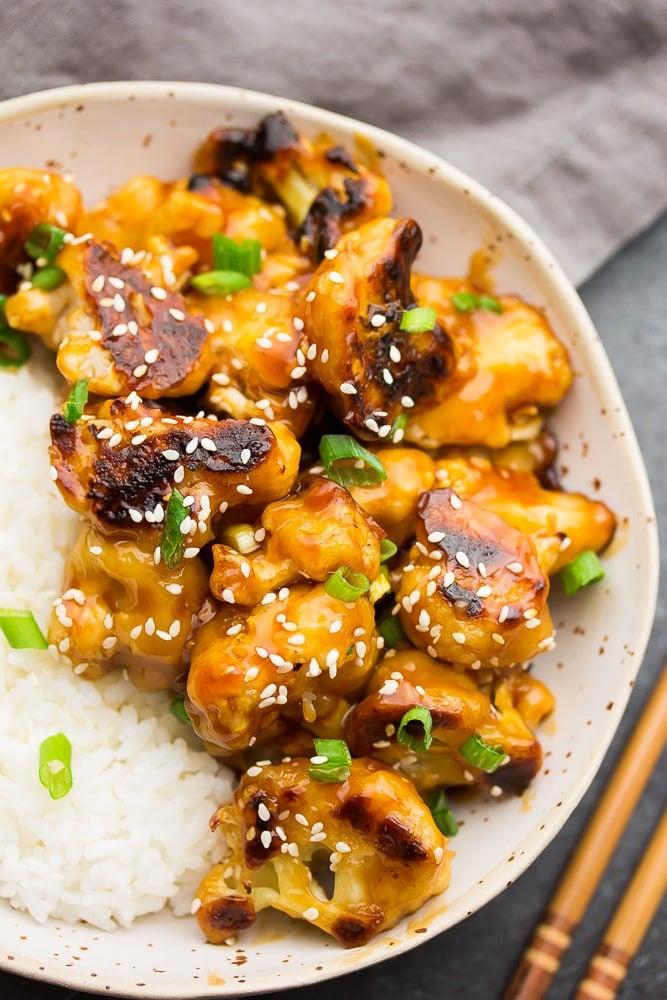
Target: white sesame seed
(497, 637)
(179, 474)
(171, 455)
(310, 296)
(387, 377)
(455, 501)
(136, 516)
(228, 595)
(140, 370)
(109, 642)
(115, 440)
(165, 636)
(336, 277)
(484, 590)
(324, 356)
(459, 637)
(158, 293)
(97, 283)
(208, 445)
(379, 319)
(192, 445)
(149, 626)
(263, 813)
(138, 439)
(348, 389)
(177, 314)
(254, 772)
(106, 302)
(116, 282)
(533, 623)
(530, 613)
(119, 302)
(496, 791)
(515, 567)
(407, 402)
(244, 490)
(251, 674)
(152, 355)
(95, 550)
(436, 536)
(504, 611)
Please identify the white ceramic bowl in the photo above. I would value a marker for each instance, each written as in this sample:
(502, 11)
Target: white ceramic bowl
(103, 134)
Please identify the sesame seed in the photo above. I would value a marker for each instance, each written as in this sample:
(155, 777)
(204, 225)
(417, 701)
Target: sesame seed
(179, 474)
(436, 536)
(311, 353)
(177, 314)
(106, 302)
(140, 370)
(265, 837)
(504, 611)
(228, 595)
(496, 791)
(462, 560)
(310, 296)
(336, 277)
(438, 854)
(195, 905)
(324, 356)
(298, 372)
(97, 283)
(133, 327)
(484, 590)
(264, 343)
(115, 440)
(165, 636)
(138, 439)
(136, 631)
(317, 838)
(407, 402)
(379, 319)
(158, 293)
(530, 613)
(119, 329)
(455, 501)
(95, 550)
(263, 813)
(300, 818)
(459, 637)
(119, 302)
(109, 642)
(152, 355)
(348, 389)
(394, 354)
(149, 626)
(136, 516)
(251, 674)
(331, 254)
(497, 637)
(174, 588)
(254, 772)
(208, 445)
(116, 282)
(171, 455)
(388, 378)
(515, 567)
(318, 759)
(192, 445)
(533, 623)
(244, 490)
(261, 308)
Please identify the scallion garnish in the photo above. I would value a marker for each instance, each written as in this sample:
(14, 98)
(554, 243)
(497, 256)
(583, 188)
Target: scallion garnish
(21, 630)
(481, 754)
(418, 320)
(172, 542)
(14, 347)
(585, 569)
(442, 814)
(346, 584)
(231, 255)
(48, 278)
(387, 549)
(76, 401)
(331, 761)
(44, 241)
(177, 708)
(409, 738)
(220, 282)
(240, 537)
(335, 448)
(465, 302)
(391, 631)
(55, 765)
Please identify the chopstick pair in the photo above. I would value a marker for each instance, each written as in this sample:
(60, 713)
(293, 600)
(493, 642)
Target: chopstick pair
(553, 936)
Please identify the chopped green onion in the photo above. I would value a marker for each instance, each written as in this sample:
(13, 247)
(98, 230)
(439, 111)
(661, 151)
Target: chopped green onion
(398, 428)
(465, 302)
(481, 755)
(240, 537)
(172, 542)
(14, 347)
(387, 549)
(55, 765)
(21, 630)
(177, 708)
(442, 814)
(391, 631)
(44, 241)
(407, 738)
(76, 401)
(346, 584)
(48, 278)
(335, 448)
(231, 255)
(336, 763)
(418, 320)
(220, 282)
(585, 569)
(380, 585)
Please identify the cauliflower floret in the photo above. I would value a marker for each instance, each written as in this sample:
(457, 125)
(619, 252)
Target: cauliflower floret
(371, 835)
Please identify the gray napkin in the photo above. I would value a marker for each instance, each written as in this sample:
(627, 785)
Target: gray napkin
(559, 107)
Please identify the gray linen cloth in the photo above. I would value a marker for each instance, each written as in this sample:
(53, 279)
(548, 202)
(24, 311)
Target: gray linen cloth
(559, 106)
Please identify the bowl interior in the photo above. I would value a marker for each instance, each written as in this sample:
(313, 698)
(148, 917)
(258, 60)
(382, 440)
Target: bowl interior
(103, 134)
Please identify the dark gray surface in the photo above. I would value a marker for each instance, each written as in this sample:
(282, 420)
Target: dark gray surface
(474, 960)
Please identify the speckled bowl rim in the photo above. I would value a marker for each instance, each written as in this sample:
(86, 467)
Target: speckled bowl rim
(420, 160)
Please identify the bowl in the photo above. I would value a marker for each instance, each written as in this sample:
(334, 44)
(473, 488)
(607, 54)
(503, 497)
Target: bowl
(105, 133)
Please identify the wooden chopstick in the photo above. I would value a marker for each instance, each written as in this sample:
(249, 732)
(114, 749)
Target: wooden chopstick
(552, 938)
(630, 922)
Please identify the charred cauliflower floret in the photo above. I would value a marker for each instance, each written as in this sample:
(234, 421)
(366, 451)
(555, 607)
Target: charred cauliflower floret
(28, 197)
(310, 533)
(325, 191)
(300, 653)
(121, 461)
(504, 718)
(473, 592)
(371, 835)
(561, 525)
(393, 502)
(120, 609)
(509, 368)
(371, 369)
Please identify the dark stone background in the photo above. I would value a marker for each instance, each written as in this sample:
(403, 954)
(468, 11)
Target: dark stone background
(627, 299)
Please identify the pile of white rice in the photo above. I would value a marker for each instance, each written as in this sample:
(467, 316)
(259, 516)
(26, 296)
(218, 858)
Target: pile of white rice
(132, 834)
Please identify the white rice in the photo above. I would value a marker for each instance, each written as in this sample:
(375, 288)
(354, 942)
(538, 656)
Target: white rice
(132, 834)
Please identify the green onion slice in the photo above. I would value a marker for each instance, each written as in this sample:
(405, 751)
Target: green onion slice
(335, 766)
(585, 569)
(410, 739)
(367, 470)
(21, 630)
(177, 708)
(244, 256)
(387, 549)
(465, 302)
(481, 755)
(418, 320)
(14, 347)
(172, 542)
(391, 631)
(346, 584)
(220, 282)
(44, 241)
(48, 278)
(240, 537)
(442, 814)
(55, 765)
(76, 401)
